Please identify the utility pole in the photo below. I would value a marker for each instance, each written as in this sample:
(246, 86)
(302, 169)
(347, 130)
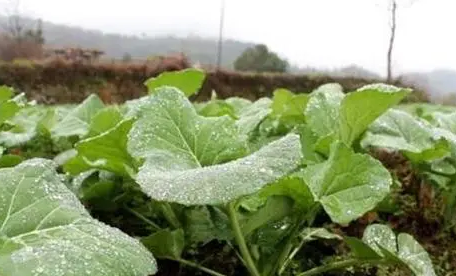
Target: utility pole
(220, 42)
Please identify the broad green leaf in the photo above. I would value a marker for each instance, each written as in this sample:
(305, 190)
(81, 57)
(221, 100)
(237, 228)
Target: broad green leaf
(76, 165)
(45, 230)
(322, 112)
(289, 107)
(104, 120)
(77, 121)
(291, 186)
(206, 223)
(348, 184)
(189, 81)
(446, 120)
(251, 116)
(9, 106)
(361, 250)
(309, 142)
(24, 128)
(238, 104)
(183, 152)
(360, 108)
(171, 132)
(398, 130)
(169, 177)
(6, 93)
(275, 208)
(108, 151)
(8, 110)
(403, 249)
(99, 191)
(10, 160)
(217, 108)
(166, 243)
(65, 156)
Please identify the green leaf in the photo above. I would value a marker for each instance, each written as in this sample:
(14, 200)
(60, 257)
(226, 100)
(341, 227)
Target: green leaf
(361, 250)
(251, 116)
(76, 165)
(291, 186)
(217, 108)
(308, 143)
(322, 112)
(10, 160)
(238, 104)
(77, 121)
(108, 151)
(206, 223)
(166, 243)
(183, 152)
(348, 184)
(404, 248)
(360, 108)
(99, 191)
(24, 128)
(65, 156)
(171, 129)
(445, 120)
(189, 81)
(399, 130)
(276, 208)
(45, 230)
(311, 234)
(173, 180)
(104, 120)
(6, 93)
(8, 110)
(288, 107)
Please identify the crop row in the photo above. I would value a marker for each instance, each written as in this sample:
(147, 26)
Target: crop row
(261, 178)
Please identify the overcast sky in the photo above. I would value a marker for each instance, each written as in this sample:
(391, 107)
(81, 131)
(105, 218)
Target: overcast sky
(321, 33)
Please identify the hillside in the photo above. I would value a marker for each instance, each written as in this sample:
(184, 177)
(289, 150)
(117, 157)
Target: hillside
(199, 49)
(441, 83)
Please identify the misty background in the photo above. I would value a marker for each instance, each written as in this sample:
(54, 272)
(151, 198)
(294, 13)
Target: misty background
(338, 37)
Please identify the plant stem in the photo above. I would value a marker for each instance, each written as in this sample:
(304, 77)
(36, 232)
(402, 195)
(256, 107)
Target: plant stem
(339, 265)
(285, 250)
(291, 256)
(143, 218)
(169, 215)
(195, 265)
(285, 259)
(239, 237)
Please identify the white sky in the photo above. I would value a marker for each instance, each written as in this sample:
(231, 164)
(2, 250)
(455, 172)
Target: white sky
(321, 33)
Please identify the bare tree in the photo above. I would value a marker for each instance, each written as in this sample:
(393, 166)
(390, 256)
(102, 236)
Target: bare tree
(20, 36)
(393, 9)
(14, 25)
(393, 6)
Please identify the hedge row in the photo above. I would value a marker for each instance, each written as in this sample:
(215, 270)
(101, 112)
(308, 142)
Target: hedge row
(63, 82)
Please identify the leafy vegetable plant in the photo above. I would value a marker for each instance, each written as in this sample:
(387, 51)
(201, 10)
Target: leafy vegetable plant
(257, 177)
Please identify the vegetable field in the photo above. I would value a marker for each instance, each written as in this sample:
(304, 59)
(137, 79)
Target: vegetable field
(324, 183)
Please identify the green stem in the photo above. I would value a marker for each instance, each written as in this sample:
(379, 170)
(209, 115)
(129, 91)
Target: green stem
(285, 259)
(239, 237)
(291, 256)
(169, 215)
(285, 250)
(143, 218)
(195, 265)
(339, 265)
